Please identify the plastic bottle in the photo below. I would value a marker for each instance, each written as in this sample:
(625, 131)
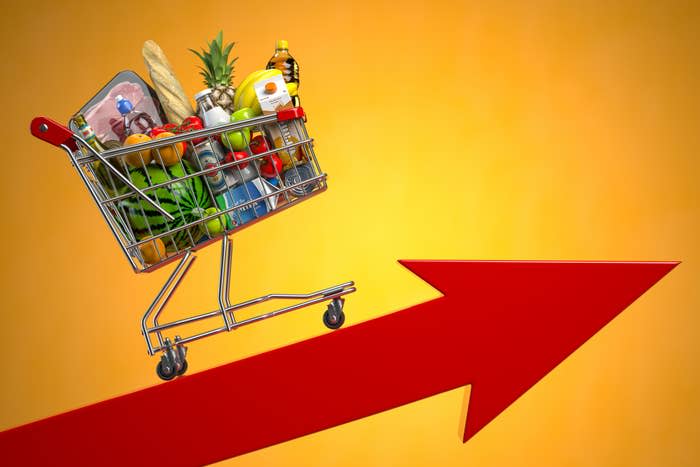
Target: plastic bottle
(289, 67)
(134, 121)
(212, 114)
(110, 183)
(87, 133)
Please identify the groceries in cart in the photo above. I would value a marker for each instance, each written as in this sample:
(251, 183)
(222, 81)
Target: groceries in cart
(171, 175)
(174, 173)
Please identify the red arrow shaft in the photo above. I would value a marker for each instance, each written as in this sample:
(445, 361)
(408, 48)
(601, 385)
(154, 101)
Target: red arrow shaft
(501, 326)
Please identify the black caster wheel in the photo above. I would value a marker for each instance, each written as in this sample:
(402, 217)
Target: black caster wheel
(334, 317)
(183, 368)
(164, 375)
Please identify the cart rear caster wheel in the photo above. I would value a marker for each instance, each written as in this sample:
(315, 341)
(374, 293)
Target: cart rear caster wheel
(183, 368)
(166, 375)
(334, 317)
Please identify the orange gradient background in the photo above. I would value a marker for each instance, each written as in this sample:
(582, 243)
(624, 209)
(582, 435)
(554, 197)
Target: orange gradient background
(449, 130)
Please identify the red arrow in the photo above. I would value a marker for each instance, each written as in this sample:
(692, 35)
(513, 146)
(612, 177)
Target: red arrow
(500, 326)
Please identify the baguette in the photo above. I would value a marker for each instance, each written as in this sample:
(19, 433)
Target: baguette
(172, 98)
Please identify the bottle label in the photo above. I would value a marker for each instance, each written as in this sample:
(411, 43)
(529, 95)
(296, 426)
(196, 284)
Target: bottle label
(208, 158)
(87, 133)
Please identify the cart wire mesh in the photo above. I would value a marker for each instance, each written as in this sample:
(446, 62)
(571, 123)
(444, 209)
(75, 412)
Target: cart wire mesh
(157, 196)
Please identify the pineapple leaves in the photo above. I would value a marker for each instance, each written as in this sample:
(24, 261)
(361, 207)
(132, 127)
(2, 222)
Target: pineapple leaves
(227, 50)
(217, 68)
(206, 75)
(229, 65)
(204, 57)
(201, 57)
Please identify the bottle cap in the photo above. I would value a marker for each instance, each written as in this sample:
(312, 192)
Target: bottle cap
(282, 44)
(124, 106)
(202, 93)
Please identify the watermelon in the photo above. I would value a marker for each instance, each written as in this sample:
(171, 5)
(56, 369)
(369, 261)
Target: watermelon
(185, 200)
(108, 180)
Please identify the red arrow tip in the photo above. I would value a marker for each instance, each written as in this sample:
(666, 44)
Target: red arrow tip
(543, 310)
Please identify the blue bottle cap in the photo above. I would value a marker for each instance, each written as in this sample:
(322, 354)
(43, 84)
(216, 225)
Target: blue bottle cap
(124, 106)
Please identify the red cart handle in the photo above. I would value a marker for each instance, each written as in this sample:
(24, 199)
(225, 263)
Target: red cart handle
(289, 114)
(52, 132)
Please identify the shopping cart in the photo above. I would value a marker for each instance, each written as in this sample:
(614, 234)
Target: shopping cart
(157, 214)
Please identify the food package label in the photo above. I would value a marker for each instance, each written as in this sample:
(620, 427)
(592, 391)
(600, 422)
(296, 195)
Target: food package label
(273, 95)
(238, 196)
(266, 188)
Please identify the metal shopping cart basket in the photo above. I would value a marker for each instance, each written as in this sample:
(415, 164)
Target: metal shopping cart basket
(162, 214)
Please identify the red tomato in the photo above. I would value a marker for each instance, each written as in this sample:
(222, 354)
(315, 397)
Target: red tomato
(271, 166)
(157, 130)
(190, 124)
(193, 120)
(168, 127)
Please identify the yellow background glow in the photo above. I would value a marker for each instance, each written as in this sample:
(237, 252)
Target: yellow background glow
(449, 130)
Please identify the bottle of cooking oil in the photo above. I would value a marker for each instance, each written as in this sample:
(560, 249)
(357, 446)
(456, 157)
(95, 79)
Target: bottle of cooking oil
(109, 182)
(87, 133)
(288, 66)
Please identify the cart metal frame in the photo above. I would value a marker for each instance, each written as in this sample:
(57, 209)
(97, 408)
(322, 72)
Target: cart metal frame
(173, 351)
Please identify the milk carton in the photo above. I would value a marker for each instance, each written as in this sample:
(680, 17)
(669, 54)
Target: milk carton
(245, 192)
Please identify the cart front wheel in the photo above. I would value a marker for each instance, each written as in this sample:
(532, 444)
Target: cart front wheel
(334, 317)
(167, 375)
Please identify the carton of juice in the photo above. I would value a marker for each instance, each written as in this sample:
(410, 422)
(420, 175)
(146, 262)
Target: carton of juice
(273, 96)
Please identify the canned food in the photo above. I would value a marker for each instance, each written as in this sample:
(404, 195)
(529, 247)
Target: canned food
(209, 154)
(299, 174)
(283, 135)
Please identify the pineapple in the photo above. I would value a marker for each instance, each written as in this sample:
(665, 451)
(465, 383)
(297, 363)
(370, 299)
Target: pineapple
(218, 71)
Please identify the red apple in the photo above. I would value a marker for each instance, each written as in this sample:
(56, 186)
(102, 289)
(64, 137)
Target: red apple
(271, 166)
(238, 156)
(259, 145)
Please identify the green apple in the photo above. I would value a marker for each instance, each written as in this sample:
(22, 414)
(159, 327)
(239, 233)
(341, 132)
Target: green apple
(215, 226)
(244, 113)
(238, 140)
